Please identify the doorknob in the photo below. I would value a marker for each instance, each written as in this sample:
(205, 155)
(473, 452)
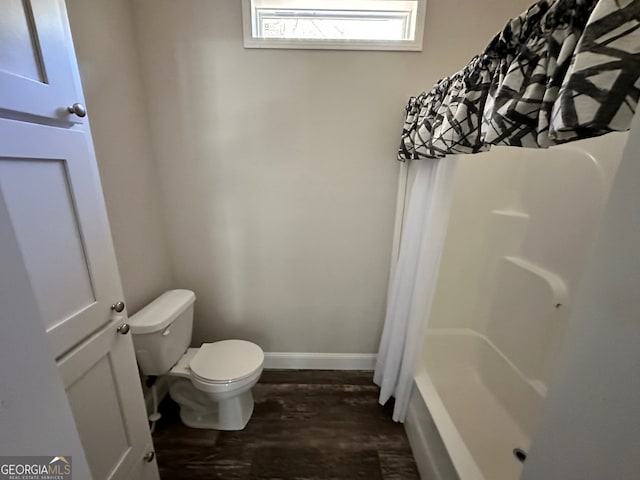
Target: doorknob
(149, 456)
(78, 109)
(117, 307)
(123, 329)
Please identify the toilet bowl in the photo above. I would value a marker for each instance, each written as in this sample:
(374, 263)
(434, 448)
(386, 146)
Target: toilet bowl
(212, 383)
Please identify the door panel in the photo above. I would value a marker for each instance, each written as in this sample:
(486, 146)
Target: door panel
(54, 199)
(103, 455)
(35, 60)
(41, 203)
(21, 55)
(112, 425)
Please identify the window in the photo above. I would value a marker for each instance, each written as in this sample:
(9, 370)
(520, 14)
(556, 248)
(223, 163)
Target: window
(334, 24)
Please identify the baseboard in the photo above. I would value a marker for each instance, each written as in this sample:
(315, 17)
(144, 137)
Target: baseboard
(319, 361)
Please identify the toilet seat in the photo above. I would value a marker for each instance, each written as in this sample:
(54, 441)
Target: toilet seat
(226, 361)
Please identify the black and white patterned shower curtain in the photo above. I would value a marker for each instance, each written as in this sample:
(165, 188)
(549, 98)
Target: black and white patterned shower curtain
(561, 71)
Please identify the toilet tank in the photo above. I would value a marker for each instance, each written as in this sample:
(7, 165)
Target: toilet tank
(162, 331)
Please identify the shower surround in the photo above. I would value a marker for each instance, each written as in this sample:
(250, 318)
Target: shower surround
(522, 224)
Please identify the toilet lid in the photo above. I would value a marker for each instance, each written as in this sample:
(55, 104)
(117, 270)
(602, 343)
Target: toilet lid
(226, 361)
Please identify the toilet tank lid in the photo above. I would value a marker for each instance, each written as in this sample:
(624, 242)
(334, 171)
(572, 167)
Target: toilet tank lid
(161, 312)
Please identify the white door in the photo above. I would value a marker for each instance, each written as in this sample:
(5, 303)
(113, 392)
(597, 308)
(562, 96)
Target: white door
(50, 186)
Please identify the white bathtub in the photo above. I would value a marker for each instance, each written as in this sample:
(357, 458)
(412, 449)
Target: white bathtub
(470, 409)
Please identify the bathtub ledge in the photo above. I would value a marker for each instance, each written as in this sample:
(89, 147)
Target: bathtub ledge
(461, 458)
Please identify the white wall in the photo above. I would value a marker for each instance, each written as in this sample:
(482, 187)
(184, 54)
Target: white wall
(278, 168)
(590, 428)
(109, 65)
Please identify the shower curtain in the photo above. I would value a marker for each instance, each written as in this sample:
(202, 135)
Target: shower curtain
(562, 71)
(416, 273)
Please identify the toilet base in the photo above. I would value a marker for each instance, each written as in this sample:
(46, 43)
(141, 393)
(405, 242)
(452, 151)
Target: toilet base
(200, 410)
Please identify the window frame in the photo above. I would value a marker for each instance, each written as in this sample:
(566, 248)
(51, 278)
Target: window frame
(333, 44)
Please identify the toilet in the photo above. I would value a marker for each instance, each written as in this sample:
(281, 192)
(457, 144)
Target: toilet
(211, 384)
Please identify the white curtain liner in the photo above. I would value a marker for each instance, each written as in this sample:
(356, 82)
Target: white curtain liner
(414, 280)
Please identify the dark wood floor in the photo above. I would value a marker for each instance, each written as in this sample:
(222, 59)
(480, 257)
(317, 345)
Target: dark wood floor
(307, 425)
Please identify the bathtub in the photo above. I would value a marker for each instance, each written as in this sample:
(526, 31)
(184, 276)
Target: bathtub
(470, 408)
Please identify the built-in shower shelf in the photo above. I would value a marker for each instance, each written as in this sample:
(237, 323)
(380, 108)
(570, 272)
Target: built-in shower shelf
(511, 213)
(557, 285)
(539, 386)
